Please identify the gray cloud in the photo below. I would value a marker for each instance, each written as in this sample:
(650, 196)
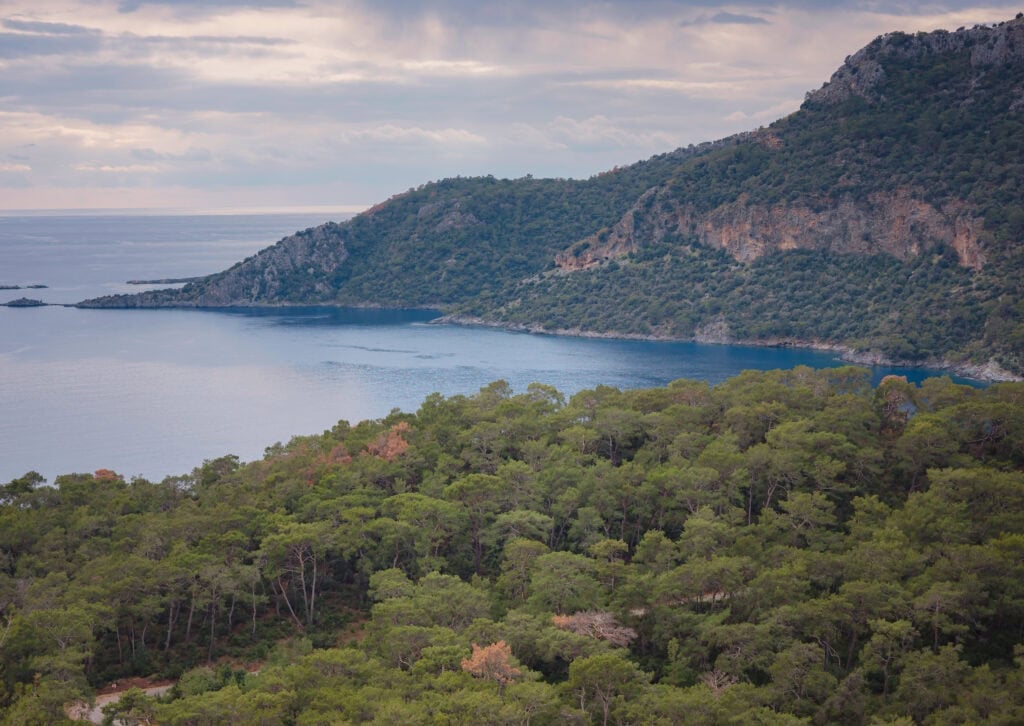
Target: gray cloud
(199, 45)
(484, 12)
(19, 45)
(352, 102)
(35, 26)
(734, 18)
(130, 6)
(200, 40)
(723, 18)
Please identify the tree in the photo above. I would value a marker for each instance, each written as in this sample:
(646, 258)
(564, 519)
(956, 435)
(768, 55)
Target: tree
(896, 399)
(564, 582)
(609, 562)
(926, 442)
(518, 524)
(436, 600)
(887, 649)
(386, 584)
(598, 681)
(702, 583)
(930, 681)
(133, 707)
(596, 624)
(517, 567)
(19, 487)
(944, 607)
(423, 524)
(800, 680)
(492, 662)
(533, 699)
(295, 558)
(481, 495)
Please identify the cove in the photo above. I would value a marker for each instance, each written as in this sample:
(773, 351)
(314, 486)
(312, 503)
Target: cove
(155, 392)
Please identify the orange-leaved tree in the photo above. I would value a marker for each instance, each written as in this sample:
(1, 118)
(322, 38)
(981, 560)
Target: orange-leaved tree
(492, 662)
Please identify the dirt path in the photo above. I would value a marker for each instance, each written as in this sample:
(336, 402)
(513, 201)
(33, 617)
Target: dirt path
(112, 694)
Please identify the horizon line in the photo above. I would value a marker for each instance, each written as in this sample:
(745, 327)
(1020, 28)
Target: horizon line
(345, 209)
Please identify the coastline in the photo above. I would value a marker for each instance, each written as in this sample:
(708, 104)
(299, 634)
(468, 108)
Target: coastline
(118, 302)
(990, 372)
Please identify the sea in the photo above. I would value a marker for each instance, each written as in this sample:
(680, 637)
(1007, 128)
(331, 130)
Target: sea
(154, 393)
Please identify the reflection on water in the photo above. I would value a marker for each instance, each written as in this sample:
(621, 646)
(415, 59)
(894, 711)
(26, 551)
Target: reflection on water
(156, 392)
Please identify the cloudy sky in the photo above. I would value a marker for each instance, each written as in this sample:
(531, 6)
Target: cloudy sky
(215, 104)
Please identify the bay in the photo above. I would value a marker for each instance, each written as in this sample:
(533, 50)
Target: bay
(155, 392)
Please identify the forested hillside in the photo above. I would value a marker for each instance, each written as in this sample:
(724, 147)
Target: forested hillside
(885, 216)
(435, 245)
(785, 547)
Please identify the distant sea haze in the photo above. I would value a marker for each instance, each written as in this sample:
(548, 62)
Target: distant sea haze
(155, 392)
(79, 256)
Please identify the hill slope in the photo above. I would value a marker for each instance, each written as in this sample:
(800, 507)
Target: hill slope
(886, 216)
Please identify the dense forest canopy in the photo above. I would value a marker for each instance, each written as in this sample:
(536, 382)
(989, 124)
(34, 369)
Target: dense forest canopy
(785, 547)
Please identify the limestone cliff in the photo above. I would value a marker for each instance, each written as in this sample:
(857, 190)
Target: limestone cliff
(897, 223)
(886, 215)
(877, 185)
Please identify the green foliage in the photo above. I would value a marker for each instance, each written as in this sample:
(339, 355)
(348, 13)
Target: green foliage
(906, 311)
(785, 547)
(935, 123)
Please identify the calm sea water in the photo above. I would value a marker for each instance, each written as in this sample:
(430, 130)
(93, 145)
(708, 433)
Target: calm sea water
(84, 256)
(155, 392)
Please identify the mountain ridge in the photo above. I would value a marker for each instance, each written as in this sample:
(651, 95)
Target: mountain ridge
(909, 161)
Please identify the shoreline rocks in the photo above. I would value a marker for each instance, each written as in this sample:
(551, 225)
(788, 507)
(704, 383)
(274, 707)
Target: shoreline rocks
(25, 302)
(990, 371)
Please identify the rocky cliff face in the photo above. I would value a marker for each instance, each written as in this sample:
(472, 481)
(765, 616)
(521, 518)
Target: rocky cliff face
(863, 73)
(274, 272)
(915, 147)
(296, 269)
(897, 223)
(865, 211)
(444, 216)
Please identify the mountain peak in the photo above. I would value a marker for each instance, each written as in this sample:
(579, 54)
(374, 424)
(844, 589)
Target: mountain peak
(863, 73)
(886, 215)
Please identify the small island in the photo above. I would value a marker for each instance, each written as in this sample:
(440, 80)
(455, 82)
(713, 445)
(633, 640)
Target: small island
(24, 302)
(165, 281)
(27, 287)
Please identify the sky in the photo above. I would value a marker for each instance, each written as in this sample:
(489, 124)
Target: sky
(280, 104)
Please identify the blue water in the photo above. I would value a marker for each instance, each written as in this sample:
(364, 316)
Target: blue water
(155, 392)
(83, 256)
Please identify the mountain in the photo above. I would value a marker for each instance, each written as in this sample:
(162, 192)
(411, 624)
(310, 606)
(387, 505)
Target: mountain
(884, 217)
(440, 244)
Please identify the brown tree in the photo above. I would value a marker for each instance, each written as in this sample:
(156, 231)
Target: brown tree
(492, 662)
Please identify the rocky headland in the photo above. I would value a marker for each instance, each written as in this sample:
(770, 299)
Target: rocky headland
(877, 218)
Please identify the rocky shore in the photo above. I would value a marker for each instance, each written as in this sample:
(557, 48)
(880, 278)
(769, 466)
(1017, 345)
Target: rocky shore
(164, 281)
(990, 371)
(24, 302)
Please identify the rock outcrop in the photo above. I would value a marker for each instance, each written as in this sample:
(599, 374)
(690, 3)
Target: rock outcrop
(902, 221)
(298, 269)
(884, 215)
(899, 224)
(863, 72)
(24, 302)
